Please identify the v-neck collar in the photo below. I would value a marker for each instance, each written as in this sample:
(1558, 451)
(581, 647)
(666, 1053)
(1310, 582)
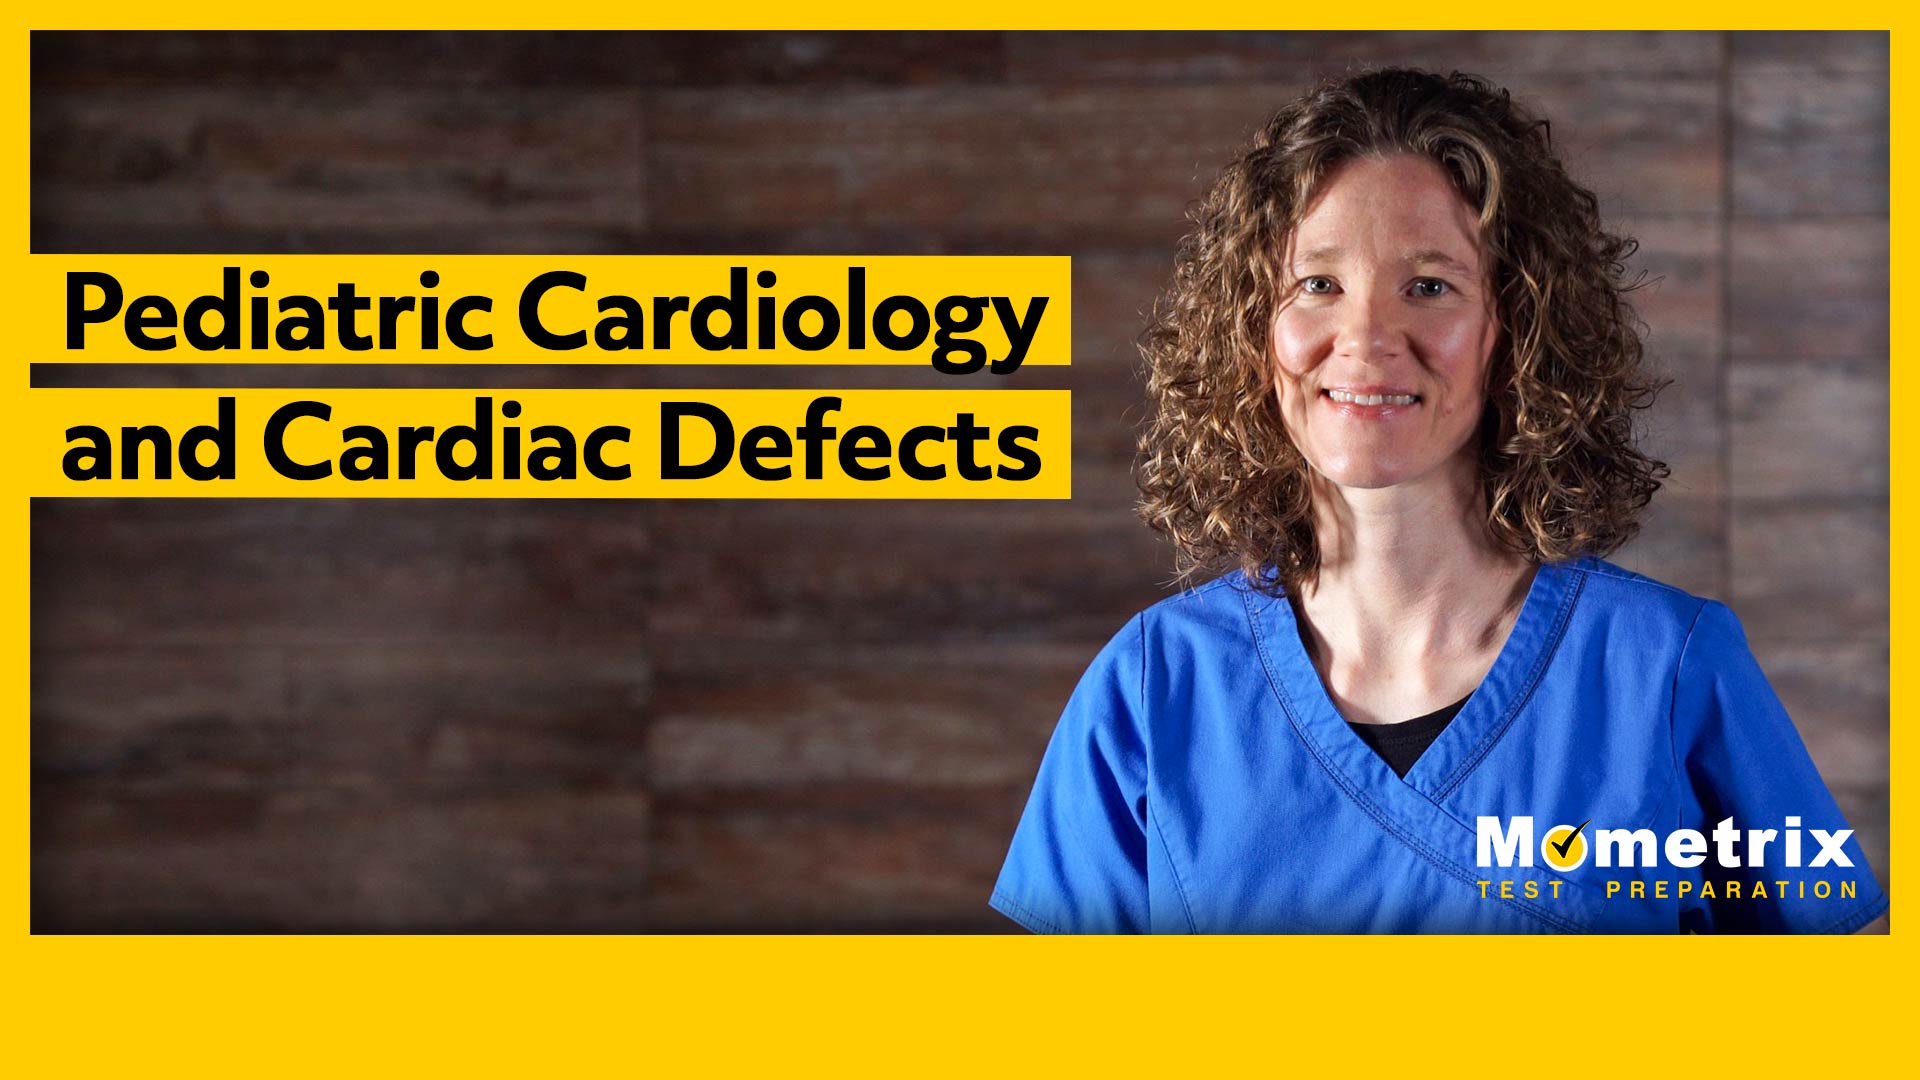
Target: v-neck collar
(1412, 808)
(1486, 716)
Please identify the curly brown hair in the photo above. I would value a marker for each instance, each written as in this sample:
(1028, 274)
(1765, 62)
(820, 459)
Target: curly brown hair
(1558, 463)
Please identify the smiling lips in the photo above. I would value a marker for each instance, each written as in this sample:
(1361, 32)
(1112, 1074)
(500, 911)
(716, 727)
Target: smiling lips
(1370, 401)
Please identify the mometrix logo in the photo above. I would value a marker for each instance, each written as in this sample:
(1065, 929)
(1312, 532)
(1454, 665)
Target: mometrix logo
(1566, 847)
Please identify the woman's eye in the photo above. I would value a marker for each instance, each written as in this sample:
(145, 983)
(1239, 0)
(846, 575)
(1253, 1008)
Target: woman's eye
(1316, 286)
(1429, 288)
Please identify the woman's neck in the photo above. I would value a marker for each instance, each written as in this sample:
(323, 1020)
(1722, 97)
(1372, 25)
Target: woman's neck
(1413, 598)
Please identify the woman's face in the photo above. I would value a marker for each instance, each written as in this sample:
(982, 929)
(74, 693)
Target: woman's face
(1385, 325)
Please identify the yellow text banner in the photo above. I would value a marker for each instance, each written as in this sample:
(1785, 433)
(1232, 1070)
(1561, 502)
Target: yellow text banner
(984, 314)
(494, 443)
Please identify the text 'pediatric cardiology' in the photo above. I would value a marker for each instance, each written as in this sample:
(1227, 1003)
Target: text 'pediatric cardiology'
(958, 315)
(977, 319)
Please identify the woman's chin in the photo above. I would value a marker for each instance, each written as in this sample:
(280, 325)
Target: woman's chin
(1369, 474)
(1368, 482)
(1377, 466)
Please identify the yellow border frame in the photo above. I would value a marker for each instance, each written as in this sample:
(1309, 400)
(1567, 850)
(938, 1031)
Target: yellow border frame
(139, 1006)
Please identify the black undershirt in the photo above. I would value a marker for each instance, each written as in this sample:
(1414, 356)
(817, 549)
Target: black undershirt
(1401, 744)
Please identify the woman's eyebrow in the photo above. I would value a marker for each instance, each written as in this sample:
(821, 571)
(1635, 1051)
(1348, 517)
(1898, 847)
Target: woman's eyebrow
(1422, 257)
(1436, 257)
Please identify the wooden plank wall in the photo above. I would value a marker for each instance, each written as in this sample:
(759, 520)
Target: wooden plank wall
(586, 715)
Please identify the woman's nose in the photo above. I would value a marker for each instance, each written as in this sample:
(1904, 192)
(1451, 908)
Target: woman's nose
(1369, 329)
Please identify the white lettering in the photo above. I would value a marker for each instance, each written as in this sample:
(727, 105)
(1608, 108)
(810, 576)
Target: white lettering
(1686, 848)
(1725, 836)
(1626, 845)
(1490, 843)
(1830, 843)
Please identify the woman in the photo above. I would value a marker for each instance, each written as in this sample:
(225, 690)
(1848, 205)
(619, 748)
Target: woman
(1394, 380)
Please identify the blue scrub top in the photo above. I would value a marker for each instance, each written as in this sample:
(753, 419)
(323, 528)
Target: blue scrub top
(1202, 781)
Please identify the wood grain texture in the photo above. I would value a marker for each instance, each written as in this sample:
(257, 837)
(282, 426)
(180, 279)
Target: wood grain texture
(1836, 693)
(1809, 144)
(333, 158)
(1800, 432)
(1680, 276)
(1811, 571)
(1257, 56)
(1808, 288)
(1644, 145)
(1683, 542)
(751, 576)
(879, 717)
(852, 857)
(326, 572)
(735, 716)
(1685, 428)
(268, 861)
(513, 59)
(1800, 51)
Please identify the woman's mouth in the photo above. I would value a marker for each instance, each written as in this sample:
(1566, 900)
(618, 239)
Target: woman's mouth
(1349, 397)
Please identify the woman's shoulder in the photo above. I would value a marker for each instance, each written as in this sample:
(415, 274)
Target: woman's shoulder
(1641, 615)
(1206, 617)
(1607, 588)
(1211, 607)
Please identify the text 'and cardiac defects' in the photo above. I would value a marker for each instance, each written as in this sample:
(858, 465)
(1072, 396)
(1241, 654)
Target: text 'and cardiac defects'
(726, 443)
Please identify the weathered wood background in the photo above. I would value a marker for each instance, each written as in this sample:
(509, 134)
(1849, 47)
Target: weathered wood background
(451, 715)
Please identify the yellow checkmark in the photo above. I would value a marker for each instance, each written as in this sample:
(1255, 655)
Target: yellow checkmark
(1565, 846)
